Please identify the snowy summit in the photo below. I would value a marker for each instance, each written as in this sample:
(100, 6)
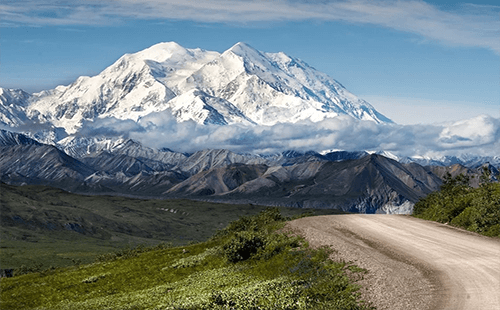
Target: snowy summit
(240, 85)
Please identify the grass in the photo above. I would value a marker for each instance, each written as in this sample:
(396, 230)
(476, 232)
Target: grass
(279, 271)
(43, 226)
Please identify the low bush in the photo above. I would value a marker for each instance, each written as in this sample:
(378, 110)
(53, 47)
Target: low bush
(248, 244)
(456, 203)
(265, 221)
(243, 245)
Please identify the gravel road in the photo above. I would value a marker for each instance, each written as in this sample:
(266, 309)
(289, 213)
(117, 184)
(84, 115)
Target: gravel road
(412, 263)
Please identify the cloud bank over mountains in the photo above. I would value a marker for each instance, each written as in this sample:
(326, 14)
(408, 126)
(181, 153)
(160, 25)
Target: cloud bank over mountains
(242, 100)
(478, 136)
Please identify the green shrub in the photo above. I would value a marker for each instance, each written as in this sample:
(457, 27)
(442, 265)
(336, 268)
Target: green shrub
(276, 243)
(474, 209)
(268, 218)
(492, 231)
(242, 246)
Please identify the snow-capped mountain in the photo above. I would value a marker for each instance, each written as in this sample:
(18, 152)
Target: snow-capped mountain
(12, 138)
(466, 160)
(240, 85)
(13, 104)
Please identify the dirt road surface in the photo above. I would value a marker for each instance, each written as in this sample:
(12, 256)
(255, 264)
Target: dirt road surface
(412, 263)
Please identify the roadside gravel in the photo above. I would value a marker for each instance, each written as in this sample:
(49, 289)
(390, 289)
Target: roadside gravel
(411, 263)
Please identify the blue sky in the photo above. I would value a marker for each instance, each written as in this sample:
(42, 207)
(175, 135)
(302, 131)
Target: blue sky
(415, 61)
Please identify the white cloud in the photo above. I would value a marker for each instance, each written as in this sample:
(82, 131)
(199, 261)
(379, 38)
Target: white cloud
(479, 135)
(481, 130)
(405, 110)
(469, 25)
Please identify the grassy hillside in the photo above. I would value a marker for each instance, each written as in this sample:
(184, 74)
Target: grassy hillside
(248, 265)
(44, 226)
(474, 209)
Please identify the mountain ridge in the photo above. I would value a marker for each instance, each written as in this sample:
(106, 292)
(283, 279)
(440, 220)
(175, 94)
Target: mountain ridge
(240, 85)
(351, 181)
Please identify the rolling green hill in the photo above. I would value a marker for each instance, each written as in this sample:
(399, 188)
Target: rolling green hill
(251, 264)
(43, 226)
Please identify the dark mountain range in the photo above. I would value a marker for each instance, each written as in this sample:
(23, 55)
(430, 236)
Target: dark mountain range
(356, 182)
(367, 185)
(8, 138)
(25, 161)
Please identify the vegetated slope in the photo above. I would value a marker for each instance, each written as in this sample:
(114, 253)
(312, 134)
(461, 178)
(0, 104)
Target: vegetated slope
(367, 185)
(248, 265)
(473, 173)
(44, 225)
(459, 204)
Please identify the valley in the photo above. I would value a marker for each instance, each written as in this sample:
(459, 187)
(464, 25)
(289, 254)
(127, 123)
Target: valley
(399, 261)
(244, 155)
(44, 226)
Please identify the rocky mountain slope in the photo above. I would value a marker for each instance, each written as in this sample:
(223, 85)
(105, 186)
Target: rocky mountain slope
(368, 185)
(351, 181)
(357, 182)
(24, 161)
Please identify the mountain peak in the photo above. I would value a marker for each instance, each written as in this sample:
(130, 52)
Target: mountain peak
(241, 85)
(161, 52)
(244, 50)
(242, 45)
(13, 138)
